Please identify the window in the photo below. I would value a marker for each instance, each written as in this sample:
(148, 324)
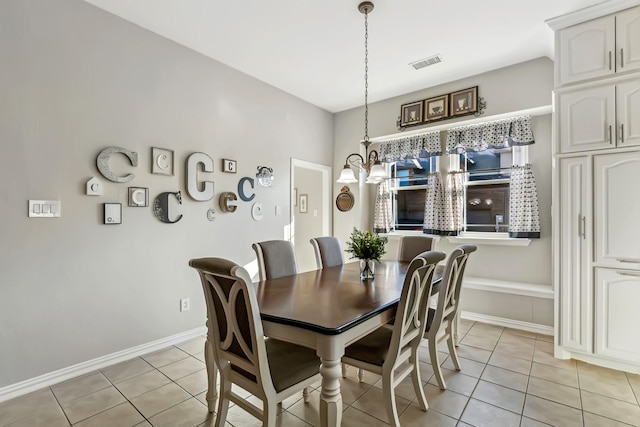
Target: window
(486, 206)
(487, 181)
(408, 187)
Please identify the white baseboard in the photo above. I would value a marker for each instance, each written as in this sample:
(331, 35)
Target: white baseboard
(55, 377)
(508, 323)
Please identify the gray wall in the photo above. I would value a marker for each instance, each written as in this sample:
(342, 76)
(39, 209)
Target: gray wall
(509, 89)
(74, 80)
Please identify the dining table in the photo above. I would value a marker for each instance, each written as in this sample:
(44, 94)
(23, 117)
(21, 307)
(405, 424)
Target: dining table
(329, 309)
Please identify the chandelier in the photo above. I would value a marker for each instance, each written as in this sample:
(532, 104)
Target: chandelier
(370, 163)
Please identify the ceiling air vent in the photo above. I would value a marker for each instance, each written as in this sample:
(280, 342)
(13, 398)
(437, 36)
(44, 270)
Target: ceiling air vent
(435, 59)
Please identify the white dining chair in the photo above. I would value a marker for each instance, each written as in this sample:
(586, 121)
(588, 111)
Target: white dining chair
(276, 258)
(269, 369)
(328, 251)
(410, 246)
(393, 352)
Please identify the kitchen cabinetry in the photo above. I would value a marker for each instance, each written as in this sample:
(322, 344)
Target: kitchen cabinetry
(596, 201)
(600, 117)
(599, 48)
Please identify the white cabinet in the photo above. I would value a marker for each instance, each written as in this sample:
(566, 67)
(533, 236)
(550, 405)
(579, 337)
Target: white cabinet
(617, 210)
(600, 117)
(575, 284)
(599, 48)
(617, 315)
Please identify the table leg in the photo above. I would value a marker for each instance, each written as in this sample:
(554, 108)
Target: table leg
(330, 353)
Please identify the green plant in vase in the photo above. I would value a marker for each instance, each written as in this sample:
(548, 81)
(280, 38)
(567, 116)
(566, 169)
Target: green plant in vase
(368, 247)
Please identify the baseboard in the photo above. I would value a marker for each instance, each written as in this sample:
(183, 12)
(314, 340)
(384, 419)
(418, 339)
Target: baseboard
(508, 323)
(55, 377)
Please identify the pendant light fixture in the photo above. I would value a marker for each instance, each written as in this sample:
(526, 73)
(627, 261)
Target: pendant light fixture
(372, 165)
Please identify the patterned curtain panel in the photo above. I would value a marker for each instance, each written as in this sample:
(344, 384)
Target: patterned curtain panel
(433, 206)
(382, 217)
(496, 134)
(524, 218)
(423, 145)
(454, 202)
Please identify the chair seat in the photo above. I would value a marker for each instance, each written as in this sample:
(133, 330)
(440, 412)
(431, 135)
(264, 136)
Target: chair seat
(373, 348)
(283, 356)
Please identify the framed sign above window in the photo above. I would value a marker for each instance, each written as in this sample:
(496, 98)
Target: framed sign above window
(411, 114)
(464, 101)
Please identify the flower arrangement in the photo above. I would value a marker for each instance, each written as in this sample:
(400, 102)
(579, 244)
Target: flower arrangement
(366, 245)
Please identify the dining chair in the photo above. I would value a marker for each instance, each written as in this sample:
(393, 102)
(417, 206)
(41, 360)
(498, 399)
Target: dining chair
(328, 251)
(410, 246)
(393, 352)
(270, 369)
(445, 315)
(276, 258)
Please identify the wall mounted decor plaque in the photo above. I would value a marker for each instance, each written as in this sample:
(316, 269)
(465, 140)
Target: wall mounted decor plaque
(161, 161)
(94, 187)
(344, 200)
(161, 206)
(229, 166)
(112, 213)
(411, 114)
(138, 197)
(103, 163)
(464, 102)
(436, 108)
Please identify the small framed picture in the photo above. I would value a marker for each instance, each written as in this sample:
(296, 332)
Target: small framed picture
(464, 101)
(436, 108)
(303, 203)
(161, 161)
(138, 197)
(229, 166)
(112, 213)
(411, 114)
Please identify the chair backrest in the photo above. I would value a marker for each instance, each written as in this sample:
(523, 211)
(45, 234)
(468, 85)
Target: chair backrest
(328, 251)
(234, 325)
(411, 246)
(276, 258)
(451, 285)
(411, 315)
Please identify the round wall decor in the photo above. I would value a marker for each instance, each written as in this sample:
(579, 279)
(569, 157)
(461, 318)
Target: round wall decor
(344, 200)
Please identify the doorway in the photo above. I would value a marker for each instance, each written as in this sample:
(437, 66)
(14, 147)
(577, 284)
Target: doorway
(310, 213)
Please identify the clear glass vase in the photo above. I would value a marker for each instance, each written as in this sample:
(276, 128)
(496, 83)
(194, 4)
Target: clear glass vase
(367, 269)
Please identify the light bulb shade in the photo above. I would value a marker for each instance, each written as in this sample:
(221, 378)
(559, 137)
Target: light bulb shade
(377, 171)
(347, 176)
(373, 180)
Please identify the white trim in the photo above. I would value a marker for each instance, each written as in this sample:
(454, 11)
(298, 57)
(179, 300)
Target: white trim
(55, 377)
(490, 240)
(589, 13)
(508, 323)
(537, 111)
(534, 290)
(600, 361)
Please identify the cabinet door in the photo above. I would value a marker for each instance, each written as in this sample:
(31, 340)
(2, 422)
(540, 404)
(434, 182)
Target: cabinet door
(575, 281)
(628, 39)
(617, 314)
(587, 119)
(586, 50)
(617, 209)
(628, 112)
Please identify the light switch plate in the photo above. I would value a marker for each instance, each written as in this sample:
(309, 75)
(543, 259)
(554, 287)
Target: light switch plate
(45, 208)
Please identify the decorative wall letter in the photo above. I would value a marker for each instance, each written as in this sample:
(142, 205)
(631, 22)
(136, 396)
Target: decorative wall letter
(256, 211)
(103, 163)
(161, 207)
(161, 161)
(228, 202)
(94, 187)
(243, 197)
(193, 161)
(112, 213)
(138, 197)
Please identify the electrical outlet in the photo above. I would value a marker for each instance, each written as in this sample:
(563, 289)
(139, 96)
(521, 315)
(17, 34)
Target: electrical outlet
(185, 304)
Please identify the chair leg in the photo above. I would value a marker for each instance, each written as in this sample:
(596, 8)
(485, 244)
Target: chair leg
(456, 334)
(361, 375)
(390, 398)
(435, 363)
(269, 414)
(212, 374)
(305, 394)
(344, 370)
(223, 401)
(417, 380)
(452, 351)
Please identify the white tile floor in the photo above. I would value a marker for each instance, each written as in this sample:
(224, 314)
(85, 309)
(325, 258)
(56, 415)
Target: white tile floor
(508, 378)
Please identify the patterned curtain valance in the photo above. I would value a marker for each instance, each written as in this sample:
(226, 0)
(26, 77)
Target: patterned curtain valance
(411, 147)
(496, 134)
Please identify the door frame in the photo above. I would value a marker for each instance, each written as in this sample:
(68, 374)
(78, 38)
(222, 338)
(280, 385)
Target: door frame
(326, 194)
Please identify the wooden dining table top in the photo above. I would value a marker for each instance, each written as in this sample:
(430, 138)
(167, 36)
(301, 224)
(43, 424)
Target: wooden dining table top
(334, 299)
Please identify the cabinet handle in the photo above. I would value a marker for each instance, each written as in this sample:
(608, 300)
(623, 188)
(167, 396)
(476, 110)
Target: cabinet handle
(624, 273)
(627, 260)
(610, 140)
(621, 58)
(622, 133)
(582, 226)
(609, 60)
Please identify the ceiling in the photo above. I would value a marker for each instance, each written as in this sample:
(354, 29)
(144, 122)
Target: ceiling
(315, 49)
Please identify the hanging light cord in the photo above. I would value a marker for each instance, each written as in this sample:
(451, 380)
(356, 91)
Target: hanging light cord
(366, 77)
